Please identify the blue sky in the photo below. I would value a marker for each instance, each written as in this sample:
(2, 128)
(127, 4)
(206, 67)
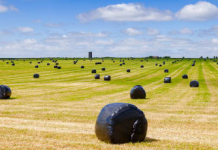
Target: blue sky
(72, 28)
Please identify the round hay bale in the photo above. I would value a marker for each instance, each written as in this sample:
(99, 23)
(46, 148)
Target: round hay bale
(97, 76)
(128, 70)
(194, 83)
(59, 67)
(82, 66)
(167, 80)
(160, 65)
(142, 66)
(121, 64)
(193, 64)
(94, 71)
(166, 70)
(36, 75)
(137, 92)
(55, 66)
(13, 64)
(30, 62)
(38, 62)
(156, 64)
(5, 92)
(107, 78)
(36, 66)
(7, 62)
(48, 64)
(185, 76)
(103, 69)
(57, 63)
(119, 123)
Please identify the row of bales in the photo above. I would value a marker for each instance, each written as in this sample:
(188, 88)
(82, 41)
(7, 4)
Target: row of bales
(117, 122)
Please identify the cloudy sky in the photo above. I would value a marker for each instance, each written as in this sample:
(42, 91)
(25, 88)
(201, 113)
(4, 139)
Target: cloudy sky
(120, 28)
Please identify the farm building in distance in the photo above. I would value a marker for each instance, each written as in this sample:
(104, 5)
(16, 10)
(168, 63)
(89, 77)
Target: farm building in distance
(90, 54)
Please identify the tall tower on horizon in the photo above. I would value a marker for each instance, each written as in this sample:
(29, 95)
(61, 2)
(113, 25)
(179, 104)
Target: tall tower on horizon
(90, 54)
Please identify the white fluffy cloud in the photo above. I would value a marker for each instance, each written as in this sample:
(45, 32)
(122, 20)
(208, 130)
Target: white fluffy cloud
(151, 31)
(25, 29)
(182, 31)
(3, 8)
(126, 12)
(186, 31)
(132, 32)
(201, 11)
(58, 45)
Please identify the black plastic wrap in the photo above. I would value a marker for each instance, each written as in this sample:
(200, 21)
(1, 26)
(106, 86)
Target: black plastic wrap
(167, 80)
(120, 123)
(185, 76)
(142, 66)
(107, 78)
(82, 66)
(55, 66)
(94, 71)
(48, 64)
(97, 76)
(36, 66)
(103, 69)
(5, 92)
(128, 70)
(59, 67)
(137, 92)
(194, 83)
(166, 70)
(36, 75)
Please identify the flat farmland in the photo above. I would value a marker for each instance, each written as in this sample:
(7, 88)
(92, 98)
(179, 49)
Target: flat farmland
(59, 110)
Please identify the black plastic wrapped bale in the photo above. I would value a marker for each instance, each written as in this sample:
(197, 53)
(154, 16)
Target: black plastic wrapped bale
(5, 92)
(7, 62)
(121, 64)
(48, 64)
(137, 92)
(167, 80)
(185, 76)
(30, 62)
(38, 62)
(194, 83)
(142, 66)
(107, 78)
(163, 62)
(94, 71)
(55, 66)
(128, 70)
(59, 67)
(160, 65)
(36, 66)
(156, 64)
(36, 75)
(119, 123)
(82, 66)
(103, 69)
(166, 70)
(13, 64)
(97, 76)
(57, 63)
(193, 64)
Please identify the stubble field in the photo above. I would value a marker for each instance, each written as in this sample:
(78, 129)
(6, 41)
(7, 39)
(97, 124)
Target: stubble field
(59, 110)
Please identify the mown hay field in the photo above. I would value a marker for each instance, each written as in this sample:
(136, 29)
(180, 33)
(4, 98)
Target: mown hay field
(59, 110)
